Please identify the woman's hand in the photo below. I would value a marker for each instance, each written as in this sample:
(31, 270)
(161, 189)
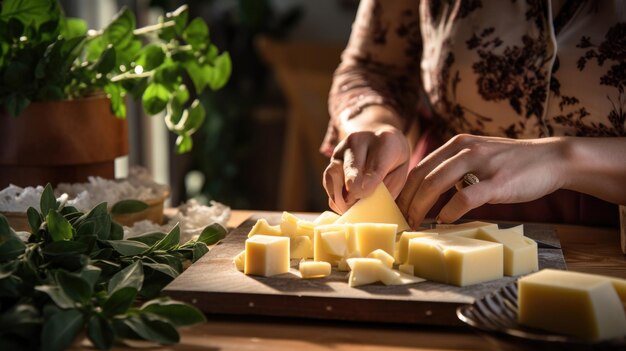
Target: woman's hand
(509, 171)
(362, 160)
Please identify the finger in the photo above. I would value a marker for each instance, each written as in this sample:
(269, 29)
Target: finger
(426, 166)
(437, 182)
(334, 183)
(395, 179)
(467, 199)
(353, 163)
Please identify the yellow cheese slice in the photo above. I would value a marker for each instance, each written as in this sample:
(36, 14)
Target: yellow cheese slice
(326, 217)
(378, 207)
(262, 227)
(383, 256)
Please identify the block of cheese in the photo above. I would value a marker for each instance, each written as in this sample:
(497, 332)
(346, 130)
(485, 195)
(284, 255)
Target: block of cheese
(342, 265)
(520, 252)
(372, 236)
(403, 243)
(240, 260)
(262, 227)
(328, 244)
(301, 247)
(289, 224)
(312, 269)
(326, 217)
(266, 255)
(383, 256)
(582, 305)
(378, 207)
(455, 260)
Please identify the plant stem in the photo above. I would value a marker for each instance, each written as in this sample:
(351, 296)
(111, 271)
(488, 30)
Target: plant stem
(130, 75)
(153, 28)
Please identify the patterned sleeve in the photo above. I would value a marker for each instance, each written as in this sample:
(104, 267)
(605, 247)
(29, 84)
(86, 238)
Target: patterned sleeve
(380, 65)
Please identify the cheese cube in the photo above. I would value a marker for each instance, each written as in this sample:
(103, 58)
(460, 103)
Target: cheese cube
(520, 253)
(289, 224)
(240, 260)
(327, 217)
(301, 247)
(378, 207)
(266, 255)
(403, 243)
(577, 304)
(383, 256)
(455, 260)
(311, 269)
(329, 249)
(468, 230)
(262, 227)
(372, 236)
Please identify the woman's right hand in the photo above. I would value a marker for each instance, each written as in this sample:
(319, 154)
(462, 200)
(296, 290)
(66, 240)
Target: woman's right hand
(364, 158)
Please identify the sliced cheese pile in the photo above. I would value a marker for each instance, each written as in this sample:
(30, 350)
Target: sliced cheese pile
(585, 306)
(374, 230)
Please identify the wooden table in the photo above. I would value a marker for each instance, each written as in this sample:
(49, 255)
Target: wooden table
(586, 249)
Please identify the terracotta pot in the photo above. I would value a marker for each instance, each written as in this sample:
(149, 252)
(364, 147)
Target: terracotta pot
(61, 141)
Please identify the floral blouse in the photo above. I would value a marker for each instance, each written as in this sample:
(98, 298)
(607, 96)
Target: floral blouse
(510, 68)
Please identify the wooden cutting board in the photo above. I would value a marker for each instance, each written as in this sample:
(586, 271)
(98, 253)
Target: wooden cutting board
(214, 286)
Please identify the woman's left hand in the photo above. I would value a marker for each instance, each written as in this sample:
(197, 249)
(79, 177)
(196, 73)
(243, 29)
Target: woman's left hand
(508, 170)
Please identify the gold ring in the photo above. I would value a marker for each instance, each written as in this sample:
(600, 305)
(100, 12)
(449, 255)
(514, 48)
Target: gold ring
(470, 179)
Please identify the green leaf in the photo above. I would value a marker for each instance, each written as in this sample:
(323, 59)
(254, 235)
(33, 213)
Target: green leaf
(11, 249)
(59, 227)
(169, 75)
(47, 201)
(35, 12)
(97, 221)
(117, 232)
(163, 268)
(221, 71)
(197, 33)
(169, 242)
(153, 328)
(74, 286)
(212, 234)
(150, 57)
(149, 238)
(106, 61)
(91, 274)
(116, 94)
(120, 301)
(60, 330)
(73, 27)
(100, 332)
(199, 249)
(178, 313)
(128, 206)
(119, 32)
(128, 247)
(199, 74)
(184, 143)
(64, 247)
(155, 98)
(57, 295)
(131, 276)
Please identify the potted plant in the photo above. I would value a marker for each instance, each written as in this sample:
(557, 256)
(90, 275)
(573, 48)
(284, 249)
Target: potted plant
(61, 87)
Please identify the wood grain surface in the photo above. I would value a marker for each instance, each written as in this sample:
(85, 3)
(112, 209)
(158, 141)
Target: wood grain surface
(216, 287)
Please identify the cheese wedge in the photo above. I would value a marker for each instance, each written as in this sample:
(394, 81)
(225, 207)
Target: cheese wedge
(289, 224)
(240, 260)
(262, 227)
(365, 271)
(383, 256)
(378, 207)
(266, 255)
(582, 305)
(305, 228)
(456, 260)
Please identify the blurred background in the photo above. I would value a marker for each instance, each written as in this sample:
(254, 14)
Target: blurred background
(258, 148)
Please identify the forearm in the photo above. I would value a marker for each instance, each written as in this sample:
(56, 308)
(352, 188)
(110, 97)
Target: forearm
(596, 166)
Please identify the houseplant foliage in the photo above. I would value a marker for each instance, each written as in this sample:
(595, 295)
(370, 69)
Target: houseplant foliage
(47, 56)
(76, 274)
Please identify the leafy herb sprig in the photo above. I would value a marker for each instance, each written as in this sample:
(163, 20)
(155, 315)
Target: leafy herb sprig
(77, 274)
(46, 56)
